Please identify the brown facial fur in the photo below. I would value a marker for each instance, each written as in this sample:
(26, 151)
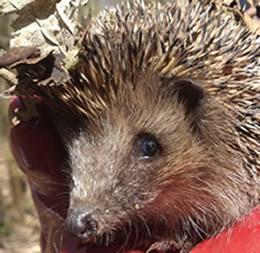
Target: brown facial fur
(192, 187)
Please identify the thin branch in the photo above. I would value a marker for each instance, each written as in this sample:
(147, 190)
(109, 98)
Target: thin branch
(8, 76)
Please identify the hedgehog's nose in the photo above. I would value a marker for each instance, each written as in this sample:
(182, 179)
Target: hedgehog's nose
(81, 224)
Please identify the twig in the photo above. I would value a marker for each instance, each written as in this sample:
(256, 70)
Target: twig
(8, 76)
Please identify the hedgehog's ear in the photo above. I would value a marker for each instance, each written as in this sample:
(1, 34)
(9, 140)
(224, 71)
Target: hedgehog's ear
(188, 92)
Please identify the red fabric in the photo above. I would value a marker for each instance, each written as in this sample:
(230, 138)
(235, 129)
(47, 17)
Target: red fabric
(244, 237)
(39, 153)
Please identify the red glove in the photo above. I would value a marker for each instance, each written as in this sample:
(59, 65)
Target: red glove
(40, 154)
(244, 237)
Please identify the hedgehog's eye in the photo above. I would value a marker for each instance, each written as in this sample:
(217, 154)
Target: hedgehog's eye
(150, 147)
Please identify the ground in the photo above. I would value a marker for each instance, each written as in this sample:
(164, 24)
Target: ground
(19, 235)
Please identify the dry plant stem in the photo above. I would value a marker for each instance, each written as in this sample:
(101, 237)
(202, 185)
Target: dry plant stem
(8, 76)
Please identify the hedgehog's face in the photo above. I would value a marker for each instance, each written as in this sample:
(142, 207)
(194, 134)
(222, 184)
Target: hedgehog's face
(122, 164)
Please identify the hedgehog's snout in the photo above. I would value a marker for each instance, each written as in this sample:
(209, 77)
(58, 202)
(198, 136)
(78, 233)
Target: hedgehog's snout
(81, 224)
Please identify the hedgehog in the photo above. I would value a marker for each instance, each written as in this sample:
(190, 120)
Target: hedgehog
(159, 113)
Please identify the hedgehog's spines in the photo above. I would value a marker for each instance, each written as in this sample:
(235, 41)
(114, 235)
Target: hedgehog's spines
(203, 42)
